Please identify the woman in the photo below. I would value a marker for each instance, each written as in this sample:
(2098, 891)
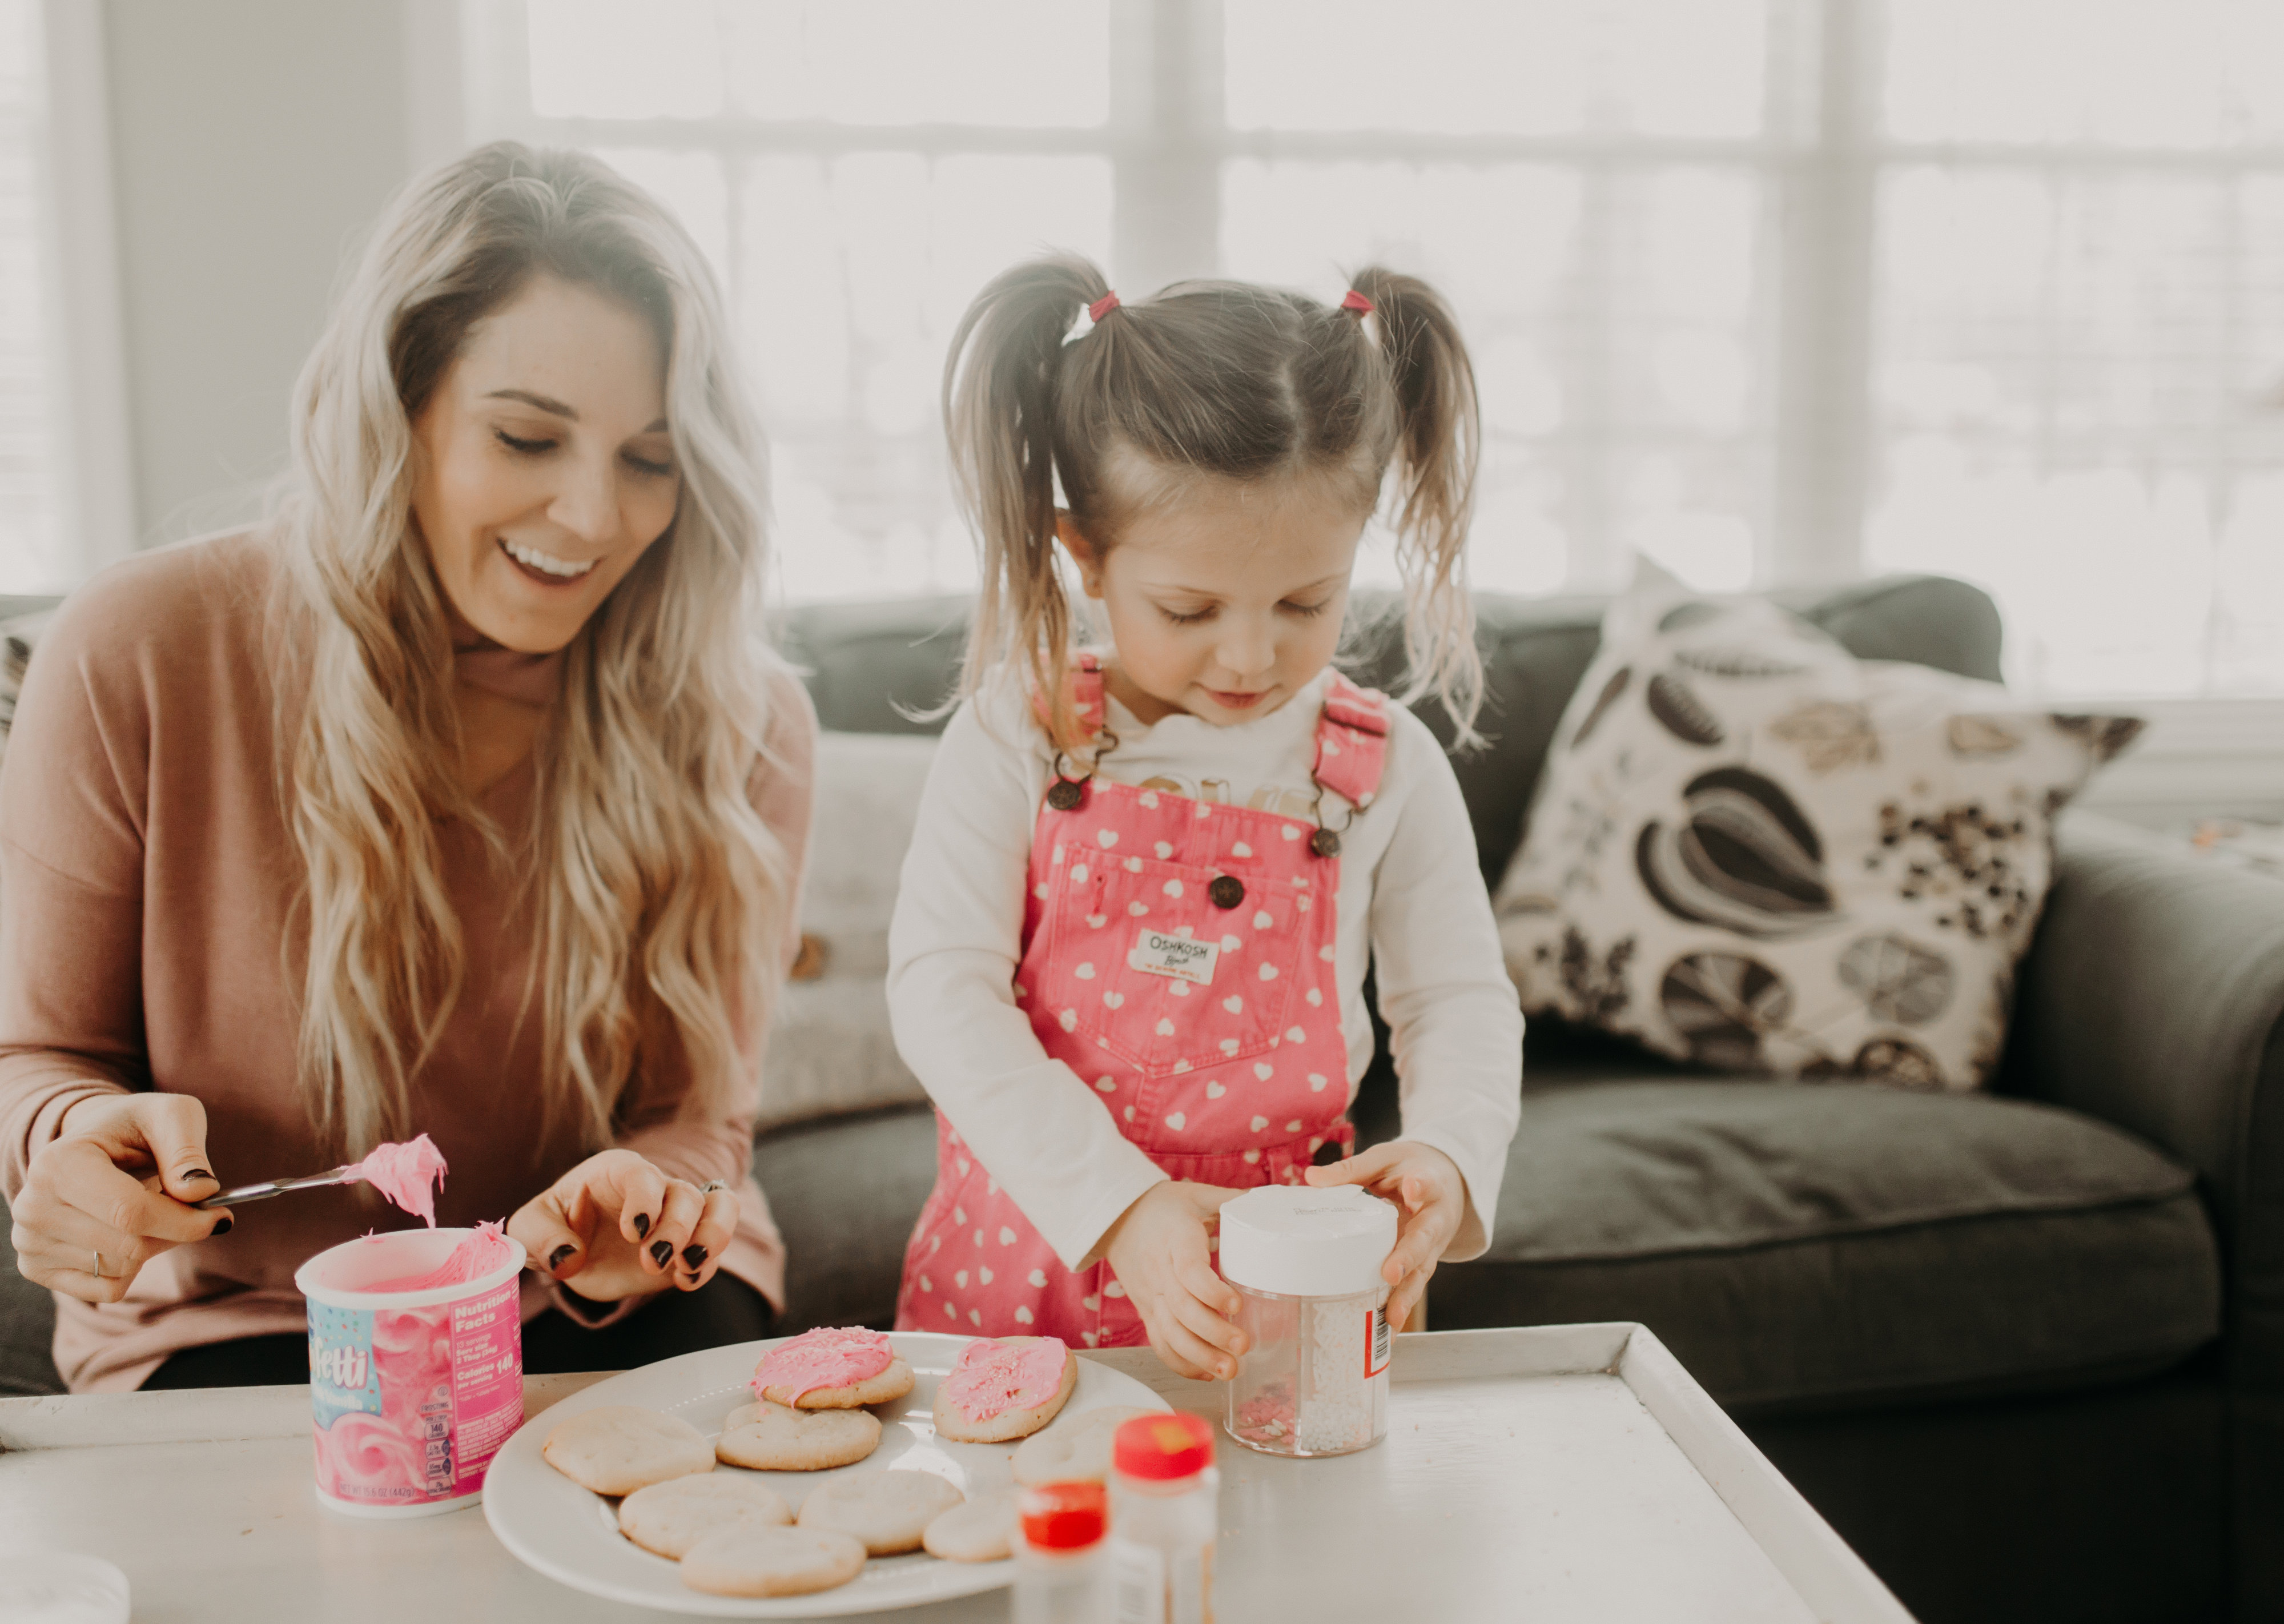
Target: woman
(461, 799)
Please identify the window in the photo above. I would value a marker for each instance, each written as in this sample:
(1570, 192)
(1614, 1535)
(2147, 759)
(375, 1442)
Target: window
(33, 549)
(1767, 289)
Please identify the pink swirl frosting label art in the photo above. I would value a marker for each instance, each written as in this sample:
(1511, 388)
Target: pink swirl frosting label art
(410, 1405)
(993, 1377)
(830, 1356)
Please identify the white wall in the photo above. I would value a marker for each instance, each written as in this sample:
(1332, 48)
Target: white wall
(251, 143)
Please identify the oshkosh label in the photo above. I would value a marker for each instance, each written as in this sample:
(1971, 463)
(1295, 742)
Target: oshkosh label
(1182, 957)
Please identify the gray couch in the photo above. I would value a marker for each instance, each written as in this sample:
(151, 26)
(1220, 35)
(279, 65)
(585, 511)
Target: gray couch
(2025, 1350)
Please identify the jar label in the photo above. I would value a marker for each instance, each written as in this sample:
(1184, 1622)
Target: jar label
(1377, 1341)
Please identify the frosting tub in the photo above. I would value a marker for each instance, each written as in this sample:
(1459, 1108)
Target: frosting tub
(416, 1366)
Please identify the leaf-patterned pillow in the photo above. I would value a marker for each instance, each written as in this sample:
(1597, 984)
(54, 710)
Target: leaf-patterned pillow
(1752, 850)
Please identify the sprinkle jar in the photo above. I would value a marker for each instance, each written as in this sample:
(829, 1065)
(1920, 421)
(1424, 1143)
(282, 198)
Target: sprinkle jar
(1306, 1263)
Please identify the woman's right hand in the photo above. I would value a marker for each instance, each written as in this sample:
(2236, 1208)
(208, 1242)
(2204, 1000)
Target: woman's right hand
(112, 1191)
(1160, 1251)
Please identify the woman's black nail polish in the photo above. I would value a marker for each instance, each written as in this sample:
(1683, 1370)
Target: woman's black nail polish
(660, 1251)
(642, 1225)
(222, 1226)
(693, 1255)
(190, 1173)
(555, 1258)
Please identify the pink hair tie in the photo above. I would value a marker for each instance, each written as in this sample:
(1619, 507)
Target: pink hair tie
(1102, 307)
(1358, 302)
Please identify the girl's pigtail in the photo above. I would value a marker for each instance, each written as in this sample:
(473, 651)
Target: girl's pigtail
(1439, 445)
(999, 403)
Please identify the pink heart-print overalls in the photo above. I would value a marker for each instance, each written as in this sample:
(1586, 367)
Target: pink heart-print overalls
(1180, 956)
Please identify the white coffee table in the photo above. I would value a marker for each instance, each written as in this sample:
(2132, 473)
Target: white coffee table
(1553, 1474)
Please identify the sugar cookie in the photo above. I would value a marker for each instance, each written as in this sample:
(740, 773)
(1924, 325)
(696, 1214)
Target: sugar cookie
(887, 1510)
(1076, 1449)
(1002, 1388)
(668, 1519)
(975, 1530)
(617, 1448)
(757, 1560)
(833, 1367)
(768, 1437)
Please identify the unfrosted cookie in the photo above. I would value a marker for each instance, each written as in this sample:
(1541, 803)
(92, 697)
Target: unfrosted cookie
(975, 1530)
(752, 1560)
(668, 1519)
(771, 1438)
(617, 1448)
(887, 1510)
(1002, 1388)
(1076, 1449)
(833, 1367)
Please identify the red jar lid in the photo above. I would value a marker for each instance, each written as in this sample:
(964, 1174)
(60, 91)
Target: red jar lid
(1065, 1516)
(1159, 1449)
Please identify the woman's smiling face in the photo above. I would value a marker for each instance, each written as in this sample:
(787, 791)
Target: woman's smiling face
(542, 466)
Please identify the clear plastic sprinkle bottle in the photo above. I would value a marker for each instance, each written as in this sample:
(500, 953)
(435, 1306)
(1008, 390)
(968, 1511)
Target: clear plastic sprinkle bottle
(1062, 1565)
(1165, 1500)
(1306, 1265)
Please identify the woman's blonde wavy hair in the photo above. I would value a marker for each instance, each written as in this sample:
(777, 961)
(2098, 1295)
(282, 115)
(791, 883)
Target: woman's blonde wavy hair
(657, 892)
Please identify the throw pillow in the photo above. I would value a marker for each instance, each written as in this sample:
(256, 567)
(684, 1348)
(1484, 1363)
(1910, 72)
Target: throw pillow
(830, 1049)
(1751, 850)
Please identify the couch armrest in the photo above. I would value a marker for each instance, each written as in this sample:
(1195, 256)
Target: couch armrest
(2153, 998)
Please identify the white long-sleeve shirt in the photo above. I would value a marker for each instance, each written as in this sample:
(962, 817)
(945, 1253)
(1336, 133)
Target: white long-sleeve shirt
(1410, 897)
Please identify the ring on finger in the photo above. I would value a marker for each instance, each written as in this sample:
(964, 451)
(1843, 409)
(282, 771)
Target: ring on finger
(713, 1185)
(97, 1256)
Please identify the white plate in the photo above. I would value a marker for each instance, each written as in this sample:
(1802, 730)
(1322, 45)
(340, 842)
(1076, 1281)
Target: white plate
(572, 1535)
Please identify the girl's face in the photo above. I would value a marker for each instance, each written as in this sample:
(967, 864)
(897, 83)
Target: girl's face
(542, 465)
(1225, 602)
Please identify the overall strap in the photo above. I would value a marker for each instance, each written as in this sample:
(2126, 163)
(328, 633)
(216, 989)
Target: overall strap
(1352, 741)
(1082, 684)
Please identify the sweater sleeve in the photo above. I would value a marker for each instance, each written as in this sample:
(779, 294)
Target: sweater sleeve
(954, 945)
(72, 804)
(1455, 1025)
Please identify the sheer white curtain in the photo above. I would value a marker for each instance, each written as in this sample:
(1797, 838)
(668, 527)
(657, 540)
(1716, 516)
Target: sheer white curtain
(1767, 289)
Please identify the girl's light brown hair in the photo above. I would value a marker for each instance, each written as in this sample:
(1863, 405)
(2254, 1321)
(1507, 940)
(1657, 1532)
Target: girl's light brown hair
(1214, 378)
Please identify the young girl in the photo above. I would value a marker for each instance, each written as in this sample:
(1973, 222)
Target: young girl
(1129, 953)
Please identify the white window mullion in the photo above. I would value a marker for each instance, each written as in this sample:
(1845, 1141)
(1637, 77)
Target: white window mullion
(1828, 206)
(1168, 134)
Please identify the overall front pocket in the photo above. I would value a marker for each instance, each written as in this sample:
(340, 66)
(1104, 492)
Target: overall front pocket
(1146, 964)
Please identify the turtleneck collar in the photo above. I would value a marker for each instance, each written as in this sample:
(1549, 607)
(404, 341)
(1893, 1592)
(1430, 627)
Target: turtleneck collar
(479, 661)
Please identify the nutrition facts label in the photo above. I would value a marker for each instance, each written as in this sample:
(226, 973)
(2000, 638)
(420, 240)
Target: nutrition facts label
(486, 1379)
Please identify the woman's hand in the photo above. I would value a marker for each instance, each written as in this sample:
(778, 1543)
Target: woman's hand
(615, 1226)
(1158, 1248)
(112, 1191)
(1430, 1197)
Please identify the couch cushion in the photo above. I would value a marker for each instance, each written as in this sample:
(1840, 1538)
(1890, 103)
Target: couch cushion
(1805, 1244)
(28, 1328)
(830, 1047)
(845, 1194)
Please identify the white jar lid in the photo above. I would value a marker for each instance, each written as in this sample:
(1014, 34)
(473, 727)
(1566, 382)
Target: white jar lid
(1303, 1241)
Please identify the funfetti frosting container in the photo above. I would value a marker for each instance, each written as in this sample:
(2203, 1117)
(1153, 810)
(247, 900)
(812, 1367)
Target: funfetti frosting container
(416, 1366)
(1306, 1264)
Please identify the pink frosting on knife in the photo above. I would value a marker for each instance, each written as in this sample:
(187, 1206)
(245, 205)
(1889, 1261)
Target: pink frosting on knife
(830, 1356)
(994, 1378)
(484, 1250)
(409, 1175)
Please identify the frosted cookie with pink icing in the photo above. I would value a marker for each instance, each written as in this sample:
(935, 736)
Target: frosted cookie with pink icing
(835, 1367)
(409, 1175)
(1004, 1388)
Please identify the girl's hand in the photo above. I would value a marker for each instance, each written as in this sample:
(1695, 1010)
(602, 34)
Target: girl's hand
(1158, 1250)
(112, 1191)
(1430, 1197)
(615, 1226)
